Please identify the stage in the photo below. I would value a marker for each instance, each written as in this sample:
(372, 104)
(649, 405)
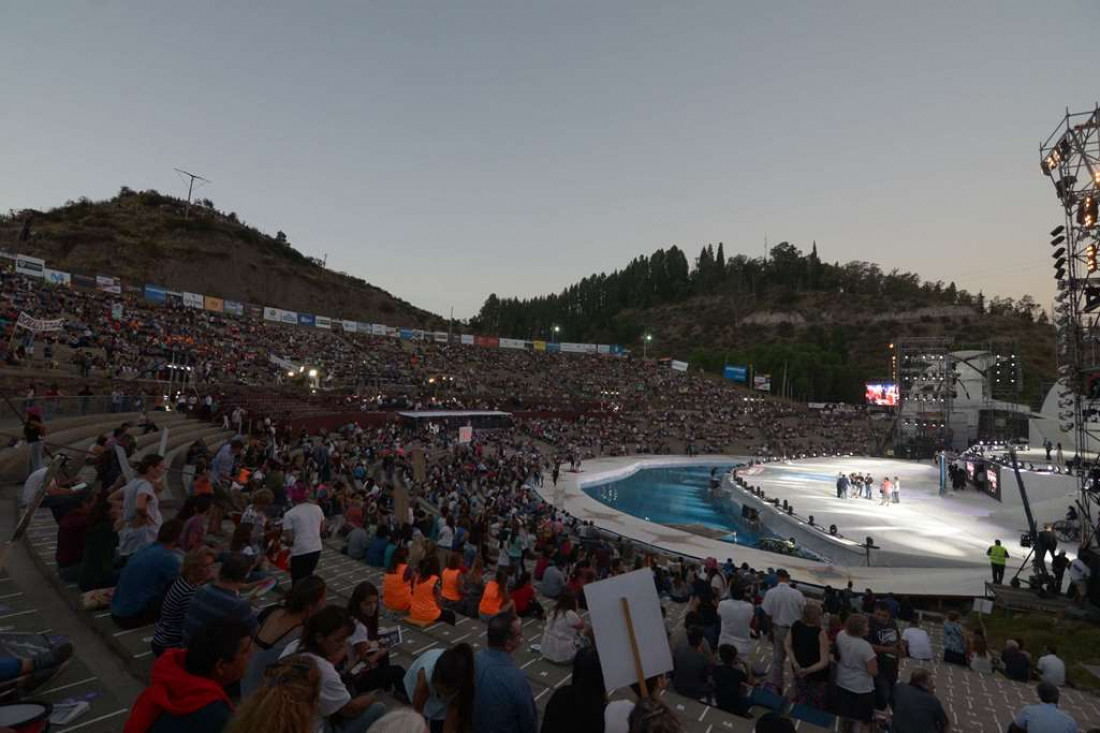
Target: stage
(936, 545)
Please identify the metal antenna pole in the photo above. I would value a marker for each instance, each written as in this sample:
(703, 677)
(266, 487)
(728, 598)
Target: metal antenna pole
(190, 186)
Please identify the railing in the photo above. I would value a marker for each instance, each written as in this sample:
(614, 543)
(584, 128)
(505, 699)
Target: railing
(53, 408)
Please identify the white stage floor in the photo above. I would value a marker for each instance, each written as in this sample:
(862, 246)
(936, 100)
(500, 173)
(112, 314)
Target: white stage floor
(953, 530)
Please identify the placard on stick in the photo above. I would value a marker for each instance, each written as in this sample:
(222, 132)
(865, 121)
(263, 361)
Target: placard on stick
(606, 609)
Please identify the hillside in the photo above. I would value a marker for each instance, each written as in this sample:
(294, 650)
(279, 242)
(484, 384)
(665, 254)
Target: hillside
(144, 237)
(828, 326)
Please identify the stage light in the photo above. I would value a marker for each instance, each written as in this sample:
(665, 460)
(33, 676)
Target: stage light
(1058, 240)
(1087, 211)
(1090, 258)
(1058, 263)
(1059, 274)
(1058, 252)
(1057, 230)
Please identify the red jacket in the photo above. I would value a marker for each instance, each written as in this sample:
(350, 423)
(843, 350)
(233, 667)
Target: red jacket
(172, 690)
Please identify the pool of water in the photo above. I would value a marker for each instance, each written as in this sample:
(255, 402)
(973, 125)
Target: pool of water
(679, 495)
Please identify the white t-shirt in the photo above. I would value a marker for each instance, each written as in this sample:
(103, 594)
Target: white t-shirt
(920, 646)
(616, 716)
(559, 636)
(736, 626)
(33, 484)
(851, 671)
(304, 521)
(784, 604)
(1052, 669)
(446, 537)
(334, 693)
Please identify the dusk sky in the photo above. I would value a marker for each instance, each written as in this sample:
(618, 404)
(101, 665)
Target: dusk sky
(447, 150)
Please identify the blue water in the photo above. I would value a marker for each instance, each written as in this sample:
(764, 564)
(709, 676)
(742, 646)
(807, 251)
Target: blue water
(678, 495)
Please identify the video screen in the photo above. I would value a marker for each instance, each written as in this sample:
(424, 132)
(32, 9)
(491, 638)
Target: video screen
(881, 393)
(970, 469)
(992, 482)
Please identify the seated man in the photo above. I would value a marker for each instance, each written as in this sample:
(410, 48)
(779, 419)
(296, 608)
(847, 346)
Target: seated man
(553, 579)
(916, 707)
(187, 687)
(358, 540)
(146, 578)
(692, 666)
(71, 532)
(1044, 717)
(1016, 663)
(221, 600)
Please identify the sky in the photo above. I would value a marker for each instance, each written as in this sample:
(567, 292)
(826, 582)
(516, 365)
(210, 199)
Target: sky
(448, 150)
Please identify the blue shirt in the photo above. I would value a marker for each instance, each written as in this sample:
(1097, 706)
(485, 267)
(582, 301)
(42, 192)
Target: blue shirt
(376, 552)
(222, 465)
(502, 702)
(435, 708)
(1044, 718)
(213, 603)
(145, 579)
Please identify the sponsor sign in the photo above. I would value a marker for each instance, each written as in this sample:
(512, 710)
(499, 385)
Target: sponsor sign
(39, 325)
(108, 284)
(323, 322)
(192, 300)
(30, 266)
(349, 326)
(737, 374)
(377, 329)
(156, 294)
(306, 319)
(278, 315)
(84, 281)
(214, 304)
(679, 366)
(539, 345)
(468, 339)
(762, 382)
(233, 307)
(512, 343)
(57, 277)
(116, 311)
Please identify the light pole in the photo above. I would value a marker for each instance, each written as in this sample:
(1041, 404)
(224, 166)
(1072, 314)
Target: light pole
(557, 330)
(645, 344)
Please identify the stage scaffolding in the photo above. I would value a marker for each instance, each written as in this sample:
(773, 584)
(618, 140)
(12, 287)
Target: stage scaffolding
(924, 372)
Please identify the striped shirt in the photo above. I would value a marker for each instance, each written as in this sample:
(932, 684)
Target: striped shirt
(169, 629)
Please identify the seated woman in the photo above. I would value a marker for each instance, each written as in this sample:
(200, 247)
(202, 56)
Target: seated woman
(425, 605)
(561, 635)
(523, 595)
(495, 599)
(452, 576)
(473, 585)
(365, 648)
(396, 586)
(280, 625)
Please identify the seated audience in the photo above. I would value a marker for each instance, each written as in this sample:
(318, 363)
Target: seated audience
(146, 578)
(195, 572)
(440, 686)
(1044, 717)
(221, 600)
(915, 705)
(280, 625)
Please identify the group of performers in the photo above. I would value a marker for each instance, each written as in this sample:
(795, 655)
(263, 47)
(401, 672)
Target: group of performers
(855, 485)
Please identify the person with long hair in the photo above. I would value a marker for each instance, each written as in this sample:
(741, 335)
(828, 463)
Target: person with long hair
(495, 598)
(855, 675)
(426, 600)
(396, 585)
(324, 639)
(193, 513)
(579, 706)
(280, 625)
(364, 648)
(141, 518)
(808, 651)
(285, 703)
(473, 585)
(653, 716)
(452, 577)
(440, 684)
(195, 571)
(561, 634)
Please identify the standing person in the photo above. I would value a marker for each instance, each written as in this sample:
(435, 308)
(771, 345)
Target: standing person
(737, 614)
(1058, 568)
(186, 690)
(34, 430)
(916, 709)
(503, 702)
(855, 676)
(1061, 457)
(997, 557)
(302, 528)
(1044, 717)
(883, 635)
(1079, 574)
(897, 490)
(808, 649)
(1048, 446)
(140, 506)
(841, 486)
(783, 606)
(196, 570)
(440, 686)
(325, 641)
(885, 491)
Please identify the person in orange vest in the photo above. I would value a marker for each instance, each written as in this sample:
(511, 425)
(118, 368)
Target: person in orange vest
(396, 586)
(425, 605)
(495, 599)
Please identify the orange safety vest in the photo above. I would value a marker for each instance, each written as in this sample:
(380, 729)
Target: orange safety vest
(396, 593)
(491, 599)
(424, 608)
(450, 585)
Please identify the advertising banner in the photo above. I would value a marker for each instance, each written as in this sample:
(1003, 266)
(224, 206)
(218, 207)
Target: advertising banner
(233, 307)
(39, 325)
(278, 315)
(214, 304)
(173, 299)
(349, 326)
(306, 319)
(57, 277)
(156, 294)
(192, 300)
(30, 266)
(108, 284)
(468, 339)
(540, 345)
(377, 329)
(512, 343)
(255, 312)
(441, 337)
(569, 348)
(83, 281)
(739, 374)
(553, 348)
(679, 366)
(603, 348)
(323, 322)
(406, 334)
(762, 382)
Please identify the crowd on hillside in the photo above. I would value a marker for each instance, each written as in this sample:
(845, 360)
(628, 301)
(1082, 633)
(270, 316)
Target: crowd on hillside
(635, 405)
(457, 530)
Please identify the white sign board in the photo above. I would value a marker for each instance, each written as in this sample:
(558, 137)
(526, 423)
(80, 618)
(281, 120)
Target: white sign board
(465, 434)
(679, 366)
(605, 609)
(983, 605)
(57, 277)
(30, 266)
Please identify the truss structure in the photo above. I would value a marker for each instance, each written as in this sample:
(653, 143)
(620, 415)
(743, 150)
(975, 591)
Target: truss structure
(925, 375)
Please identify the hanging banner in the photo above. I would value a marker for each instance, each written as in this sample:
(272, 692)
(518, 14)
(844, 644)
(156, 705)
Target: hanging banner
(322, 322)
(349, 326)
(30, 266)
(553, 348)
(569, 348)
(467, 338)
(278, 315)
(233, 307)
(211, 303)
(739, 374)
(679, 366)
(39, 325)
(57, 277)
(83, 281)
(173, 299)
(540, 345)
(254, 312)
(378, 329)
(192, 300)
(306, 319)
(156, 294)
(603, 348)
(108, 284)
(762, 382)
(465, 434)
(441, 337)
(512, 343)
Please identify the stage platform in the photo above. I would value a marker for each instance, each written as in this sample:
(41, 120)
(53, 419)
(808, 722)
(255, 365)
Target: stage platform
(943, 539)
